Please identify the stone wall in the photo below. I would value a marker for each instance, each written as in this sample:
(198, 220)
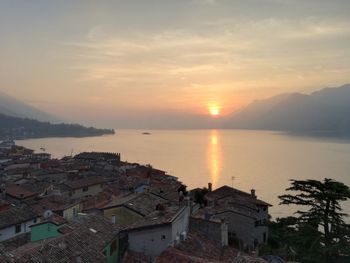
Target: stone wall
(215, 231)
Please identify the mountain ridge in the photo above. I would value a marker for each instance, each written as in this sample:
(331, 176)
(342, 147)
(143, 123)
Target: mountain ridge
(13, 107)
(324, 111)
(25, 128)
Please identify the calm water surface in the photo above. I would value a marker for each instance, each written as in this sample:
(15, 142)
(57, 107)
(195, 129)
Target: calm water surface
(261, 160)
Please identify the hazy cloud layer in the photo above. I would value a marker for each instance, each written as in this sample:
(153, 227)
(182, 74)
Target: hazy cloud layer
(101, 60)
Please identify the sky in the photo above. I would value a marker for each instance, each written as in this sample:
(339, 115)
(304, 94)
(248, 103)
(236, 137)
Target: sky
(122, 63)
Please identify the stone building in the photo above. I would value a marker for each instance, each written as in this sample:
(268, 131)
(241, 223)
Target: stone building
(245, 214)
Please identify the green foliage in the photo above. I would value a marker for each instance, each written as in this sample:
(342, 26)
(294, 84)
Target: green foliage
(20, 128)
(318, 233)
(199, 195)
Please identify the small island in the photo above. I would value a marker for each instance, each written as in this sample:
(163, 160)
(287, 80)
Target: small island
(24, 128)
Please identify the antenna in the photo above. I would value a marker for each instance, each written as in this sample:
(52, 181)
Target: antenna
(71, 152)
(232, 179)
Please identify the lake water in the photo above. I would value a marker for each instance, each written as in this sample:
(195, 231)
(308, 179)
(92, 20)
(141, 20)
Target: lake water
(261, 160)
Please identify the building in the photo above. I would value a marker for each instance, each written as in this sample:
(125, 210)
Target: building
(245, 215)
(41, 156)
(198, 248)
(158, 231)
(132, 208)
(7, 144)
(47, 228)
(111, 158)
(62, 206)
(16, 220)
(86, 186)
(89, 239)
(18, 193)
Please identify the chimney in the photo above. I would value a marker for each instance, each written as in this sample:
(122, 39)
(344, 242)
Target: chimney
(113, 220)
(210, 187)
(252, 191)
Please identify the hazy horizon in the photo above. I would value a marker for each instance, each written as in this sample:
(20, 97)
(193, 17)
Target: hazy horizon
(135, 63)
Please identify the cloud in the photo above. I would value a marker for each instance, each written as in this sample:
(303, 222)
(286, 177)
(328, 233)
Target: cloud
(233, 61)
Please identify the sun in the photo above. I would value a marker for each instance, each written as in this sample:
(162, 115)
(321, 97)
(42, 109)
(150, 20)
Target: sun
(214, 110)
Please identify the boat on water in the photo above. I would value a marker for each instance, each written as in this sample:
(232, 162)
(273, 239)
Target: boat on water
(146, 133)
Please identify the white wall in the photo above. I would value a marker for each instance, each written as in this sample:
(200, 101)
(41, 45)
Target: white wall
(259, 231)
(149, 241)
(180, 224)
(9, 232)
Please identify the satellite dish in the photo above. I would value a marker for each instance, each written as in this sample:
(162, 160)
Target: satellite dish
(47, 213)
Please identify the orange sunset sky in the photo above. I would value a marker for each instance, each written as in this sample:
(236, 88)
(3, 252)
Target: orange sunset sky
(109, 62)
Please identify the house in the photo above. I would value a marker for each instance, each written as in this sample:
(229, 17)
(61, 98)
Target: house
(245, 214)
(88, 239)
(197, 248)
(18, 192)
(86, 186)
(217, 231)
(62, 206)
(47, 228)
(132, 208)
(37, 187)
(41, 156)
(7, 144)
(158, 231)
(111, 158)
(56, 177)
(16, 220)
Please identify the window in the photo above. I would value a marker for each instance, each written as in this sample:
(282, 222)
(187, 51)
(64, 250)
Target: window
(85, 189)
(264, 237)
(34, 221)
(264, 208)
(163, 237)
(18, 228)
(113, 247)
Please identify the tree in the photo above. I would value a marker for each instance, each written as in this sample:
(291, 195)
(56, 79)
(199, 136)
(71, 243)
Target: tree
(199, 196)
(322, 223)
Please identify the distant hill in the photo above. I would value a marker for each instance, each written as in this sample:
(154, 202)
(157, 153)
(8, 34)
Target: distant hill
(324, 112)
(13, 107)
(23, 128)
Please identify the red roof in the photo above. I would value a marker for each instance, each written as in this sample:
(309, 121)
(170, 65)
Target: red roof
(226, 191)
(18, 192)
(197, 248)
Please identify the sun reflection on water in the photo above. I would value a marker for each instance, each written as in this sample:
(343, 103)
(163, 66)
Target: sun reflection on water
(214, 157)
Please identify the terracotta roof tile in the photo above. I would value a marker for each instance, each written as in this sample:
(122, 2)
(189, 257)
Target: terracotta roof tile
(19, 192)
(16, 215)
(88, 237)
(84, 182)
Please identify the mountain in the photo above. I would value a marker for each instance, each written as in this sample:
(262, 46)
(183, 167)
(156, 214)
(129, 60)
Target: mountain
(324, 112)
(21, 128)
(13, 107)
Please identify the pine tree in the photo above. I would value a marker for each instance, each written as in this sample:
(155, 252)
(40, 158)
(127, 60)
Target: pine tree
(323, 219)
